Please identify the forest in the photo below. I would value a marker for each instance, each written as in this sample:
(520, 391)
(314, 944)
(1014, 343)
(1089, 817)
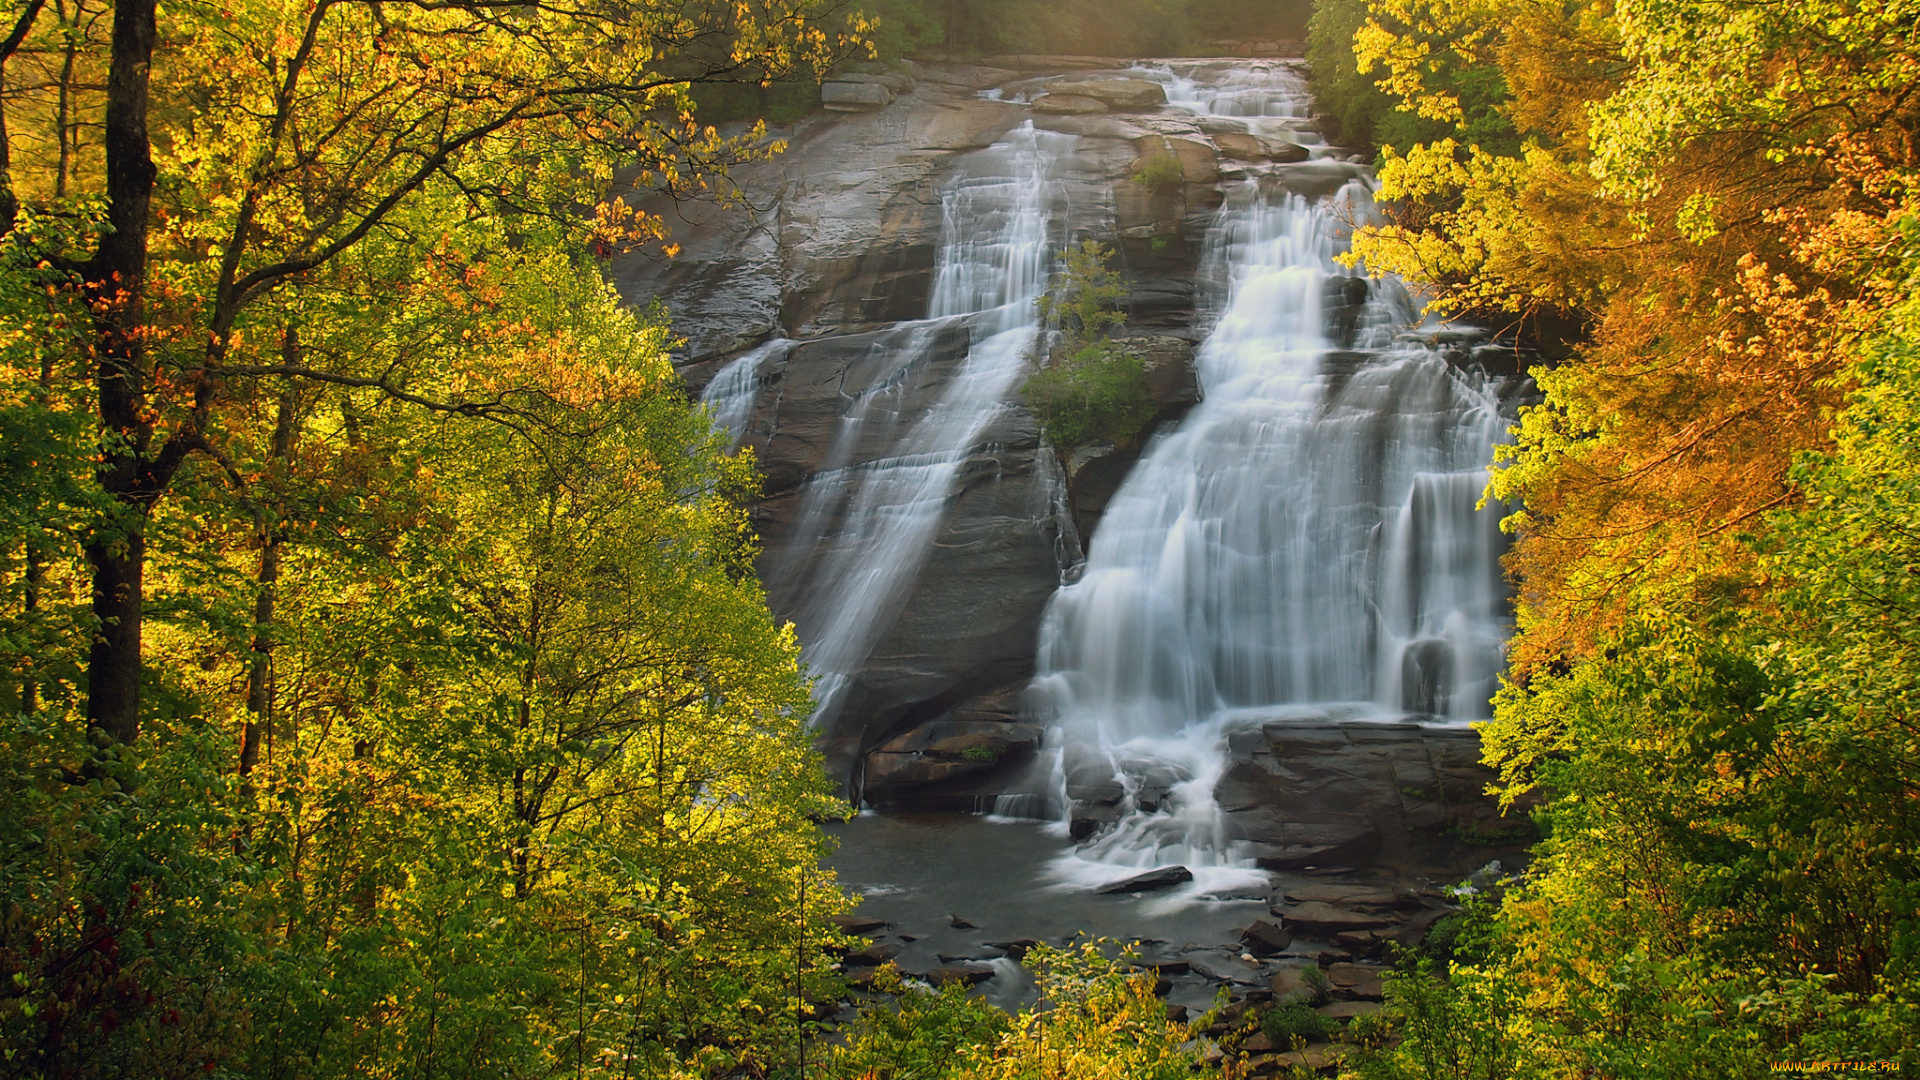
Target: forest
(389, 690)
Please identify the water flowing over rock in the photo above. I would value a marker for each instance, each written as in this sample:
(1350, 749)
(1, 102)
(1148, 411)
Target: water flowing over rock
(1288, 595)
(1303, 547)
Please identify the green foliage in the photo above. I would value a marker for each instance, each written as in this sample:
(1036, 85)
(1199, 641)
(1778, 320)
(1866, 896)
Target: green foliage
(529, 780)
(1097, 1017)
(1098, 394)
(1091, 391)
(1085, 302)
(1285, 1023)
(921, 1035)
(1350, 106)
(1161, 174)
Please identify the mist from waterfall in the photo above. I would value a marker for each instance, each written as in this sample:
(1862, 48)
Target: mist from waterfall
(864, 528)
(1304, 544)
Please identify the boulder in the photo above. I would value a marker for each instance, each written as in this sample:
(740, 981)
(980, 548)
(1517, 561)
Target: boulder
(1281, 152)
(1360, 896)
(1291, 984)
(968, 974)
(843, 96)
(1199, 163)
(1300, 846)
(1016, 948)
(1087, 819)
(1240, 146)
(857, 924)
(1264, 938)
(1372, 990)
(1068, 104)
(894, 81)
(1348, 976)
(1152, 881)
(943, 749)
(1225, 971)
(1259, 1043)
(1349, 1010)
(872, 956)
(1315, 919)
(1114, 93)
(1164, 967)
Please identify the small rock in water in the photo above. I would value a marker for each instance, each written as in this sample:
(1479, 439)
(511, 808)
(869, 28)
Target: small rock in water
(959, 923)
(872, 956)
(857, 924)
(1016, 948)
(970, 974)
(1164, 878)
(1264, 938)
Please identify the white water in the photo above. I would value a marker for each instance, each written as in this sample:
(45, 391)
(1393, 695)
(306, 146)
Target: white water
(1262, 94)
(865, 528)
(1303, 545)
(730, 396)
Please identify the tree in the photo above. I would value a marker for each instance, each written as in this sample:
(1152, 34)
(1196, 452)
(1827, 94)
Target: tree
(290, 135)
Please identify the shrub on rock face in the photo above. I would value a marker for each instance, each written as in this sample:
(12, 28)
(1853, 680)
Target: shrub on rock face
(1098, 394)
(1160, 173)
(1092, 391)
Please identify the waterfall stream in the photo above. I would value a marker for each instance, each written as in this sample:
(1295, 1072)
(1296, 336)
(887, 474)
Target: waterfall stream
(864, 527)
(1304, 544)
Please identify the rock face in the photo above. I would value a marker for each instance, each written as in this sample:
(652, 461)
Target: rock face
(845, 96)
(1113, 93)
(831, 270)
(839, 258)
(1094, 473)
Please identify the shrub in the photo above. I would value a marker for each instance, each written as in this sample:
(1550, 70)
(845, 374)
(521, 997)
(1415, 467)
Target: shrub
(1096, 395)
(1285, 1023)
(1161, 174)
(1092, 392)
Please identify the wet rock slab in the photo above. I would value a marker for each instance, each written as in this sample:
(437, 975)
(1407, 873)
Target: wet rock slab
(1152, 881)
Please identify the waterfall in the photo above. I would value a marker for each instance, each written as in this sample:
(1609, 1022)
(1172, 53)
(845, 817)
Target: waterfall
(730, 396)
(1304, 544)
(865, 526)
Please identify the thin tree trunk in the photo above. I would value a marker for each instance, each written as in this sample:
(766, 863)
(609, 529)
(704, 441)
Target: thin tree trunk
(266, 585)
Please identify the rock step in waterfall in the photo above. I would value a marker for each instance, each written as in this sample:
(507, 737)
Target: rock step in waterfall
(1287, 603)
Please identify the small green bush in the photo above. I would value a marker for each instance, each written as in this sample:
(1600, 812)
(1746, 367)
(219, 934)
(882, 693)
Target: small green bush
(1093, 392)
(1161, 174)
(1284, 1023)
(1098, 394)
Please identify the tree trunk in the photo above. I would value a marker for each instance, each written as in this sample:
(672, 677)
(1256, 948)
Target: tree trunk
(115, 282)
(266, 585)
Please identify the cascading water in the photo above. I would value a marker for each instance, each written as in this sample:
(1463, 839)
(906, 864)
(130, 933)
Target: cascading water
(864, 528)
(1304, 544)
(729, 397)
